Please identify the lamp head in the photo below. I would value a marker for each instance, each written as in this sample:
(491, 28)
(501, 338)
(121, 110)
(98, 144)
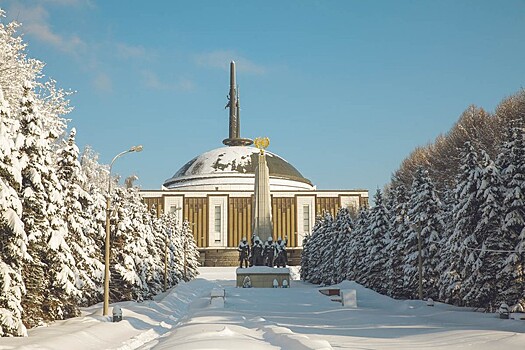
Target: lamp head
(136, 148)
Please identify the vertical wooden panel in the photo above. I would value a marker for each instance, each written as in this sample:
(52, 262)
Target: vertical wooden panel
(282, 219)
(201, 221)
(292, 239)
(246, 228)
(236, 220)
(288, 217)
(230, 222)
(250, 216)
(279, 217)
(206, 225)
(240, 231)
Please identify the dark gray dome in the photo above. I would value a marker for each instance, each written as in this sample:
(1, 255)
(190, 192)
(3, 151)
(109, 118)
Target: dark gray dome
(234, 161)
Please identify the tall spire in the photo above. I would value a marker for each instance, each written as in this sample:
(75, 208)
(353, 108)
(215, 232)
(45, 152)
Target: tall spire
(234, 138)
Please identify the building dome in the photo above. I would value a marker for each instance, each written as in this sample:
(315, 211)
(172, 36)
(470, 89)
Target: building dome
(233, 168)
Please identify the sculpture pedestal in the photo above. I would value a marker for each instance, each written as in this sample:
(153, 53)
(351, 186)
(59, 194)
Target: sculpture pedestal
(263, 276)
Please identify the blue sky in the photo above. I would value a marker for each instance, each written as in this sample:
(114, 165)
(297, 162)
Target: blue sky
(345, 90)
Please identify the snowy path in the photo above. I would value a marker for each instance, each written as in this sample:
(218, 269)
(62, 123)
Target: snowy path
(295, 318)
(302, 318)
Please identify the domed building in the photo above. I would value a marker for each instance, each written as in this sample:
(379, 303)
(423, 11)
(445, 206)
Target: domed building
(215, 192)
(233, 168)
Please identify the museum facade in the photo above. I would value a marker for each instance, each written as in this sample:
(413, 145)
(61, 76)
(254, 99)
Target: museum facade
(215, 193)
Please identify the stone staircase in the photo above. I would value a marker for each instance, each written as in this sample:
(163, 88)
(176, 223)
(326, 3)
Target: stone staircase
(210, 257)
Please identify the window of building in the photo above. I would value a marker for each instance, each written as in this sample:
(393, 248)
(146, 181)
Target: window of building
(306, 219)
(218, 223)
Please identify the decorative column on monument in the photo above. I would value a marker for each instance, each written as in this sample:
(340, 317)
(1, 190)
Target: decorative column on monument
(262, 218)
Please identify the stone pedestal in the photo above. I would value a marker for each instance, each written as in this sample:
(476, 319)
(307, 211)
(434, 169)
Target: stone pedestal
(263, 276)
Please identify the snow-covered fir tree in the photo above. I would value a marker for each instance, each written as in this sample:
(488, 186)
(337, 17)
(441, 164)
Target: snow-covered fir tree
(52, 208)
(398, 204)
(191, 254)
(490, 258)
(512, 161)
(376, 240)
(305, 258)
(316, 248)
(51, 275)
(129, 253)
(356, 252)
(156, 243)
(172, 229)
(82, 231)
(12, 234)
(343, 226)
(424, 216)
(328, 253)
(460, 246)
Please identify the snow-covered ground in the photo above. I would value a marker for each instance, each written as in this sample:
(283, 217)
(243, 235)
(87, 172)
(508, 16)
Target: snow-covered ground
(295, 318)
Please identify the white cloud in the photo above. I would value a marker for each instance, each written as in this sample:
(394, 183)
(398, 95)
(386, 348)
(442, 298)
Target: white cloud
(221, 59)
(130, 51)
(65, 2)
(102, 82)
(35, 22)
(152, 81)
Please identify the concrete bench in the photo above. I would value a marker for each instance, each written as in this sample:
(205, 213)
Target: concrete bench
(217, 297)
(348, 297)
(330, 291)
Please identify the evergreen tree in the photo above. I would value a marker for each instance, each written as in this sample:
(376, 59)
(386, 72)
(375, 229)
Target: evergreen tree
(305, 258)
(129, 255)
(484, 279)
(398, 202)
(51, 275)
(156, 244)
(513, 169)
(343, 226)
(358, 260)
(78, 216)
(466, 215)
(328, 253)
(191, 261)
(316, 248)
(12, 235)
(172, 229)
(425, 217)
(376, 241)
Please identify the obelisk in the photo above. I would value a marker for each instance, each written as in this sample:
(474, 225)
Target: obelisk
(234, 138)
(262, 218)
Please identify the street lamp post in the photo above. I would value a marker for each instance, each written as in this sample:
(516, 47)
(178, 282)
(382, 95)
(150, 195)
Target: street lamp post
(108, 209)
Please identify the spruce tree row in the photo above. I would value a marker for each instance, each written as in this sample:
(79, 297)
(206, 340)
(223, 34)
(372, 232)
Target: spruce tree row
(469, 220)
(52, 211)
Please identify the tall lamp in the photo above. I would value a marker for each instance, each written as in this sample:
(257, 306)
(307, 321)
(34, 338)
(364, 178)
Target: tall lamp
(108, 210)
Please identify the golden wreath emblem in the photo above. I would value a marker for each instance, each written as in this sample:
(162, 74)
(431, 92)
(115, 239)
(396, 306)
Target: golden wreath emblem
(262, 143)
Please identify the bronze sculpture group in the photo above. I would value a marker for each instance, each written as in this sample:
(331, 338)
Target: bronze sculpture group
(271, 254)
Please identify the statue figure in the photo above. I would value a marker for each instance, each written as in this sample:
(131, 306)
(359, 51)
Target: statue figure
(282, 255)
(244, 252)
(257, 251)
(269, 252)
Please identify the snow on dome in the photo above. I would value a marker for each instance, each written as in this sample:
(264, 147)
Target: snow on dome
(232, 168)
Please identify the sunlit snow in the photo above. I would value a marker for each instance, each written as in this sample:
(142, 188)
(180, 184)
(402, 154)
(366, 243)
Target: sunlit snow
(295, 318)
